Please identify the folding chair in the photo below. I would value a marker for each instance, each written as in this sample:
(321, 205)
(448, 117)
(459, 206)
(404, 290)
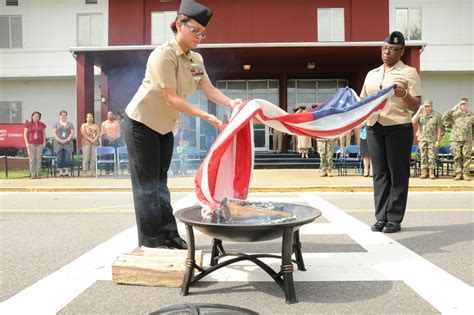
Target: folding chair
(47, 161)
(191, 159)
(444, 156)
(79, 162)
(122, 159)
(337, 158)
(176, 163)
(415, 160)
(350, 157)
(105, 156)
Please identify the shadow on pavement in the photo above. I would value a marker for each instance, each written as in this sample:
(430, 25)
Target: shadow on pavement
(440, 236)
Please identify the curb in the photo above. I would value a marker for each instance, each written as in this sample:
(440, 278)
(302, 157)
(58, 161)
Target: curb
(252, 190)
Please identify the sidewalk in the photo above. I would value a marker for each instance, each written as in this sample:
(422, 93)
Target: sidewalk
(280, 180)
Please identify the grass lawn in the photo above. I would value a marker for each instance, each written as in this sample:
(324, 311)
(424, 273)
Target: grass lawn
(15, 174)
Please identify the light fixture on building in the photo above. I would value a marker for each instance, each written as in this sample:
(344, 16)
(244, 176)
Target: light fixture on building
(247, 67)
(311, 65)
(103, 99)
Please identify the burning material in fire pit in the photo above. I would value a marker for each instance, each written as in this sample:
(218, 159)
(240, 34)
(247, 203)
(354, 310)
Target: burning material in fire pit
(241, 221)
(246, 212)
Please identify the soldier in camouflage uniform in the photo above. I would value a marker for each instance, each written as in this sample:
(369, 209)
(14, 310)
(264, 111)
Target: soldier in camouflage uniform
(461, 137)
(326, 151)
(429, 135)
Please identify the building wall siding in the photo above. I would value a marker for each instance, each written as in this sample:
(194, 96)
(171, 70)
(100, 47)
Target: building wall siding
(446, 88)
(49, 29)
(249, 21)
(47, 95)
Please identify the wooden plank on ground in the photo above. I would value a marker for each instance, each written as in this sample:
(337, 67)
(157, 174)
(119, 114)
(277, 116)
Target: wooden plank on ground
(152, 267)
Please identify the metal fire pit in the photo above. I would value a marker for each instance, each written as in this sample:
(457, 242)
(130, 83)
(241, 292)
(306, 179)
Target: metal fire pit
(248, 232)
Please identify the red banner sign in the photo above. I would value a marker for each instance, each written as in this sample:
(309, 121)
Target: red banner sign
(11, 135)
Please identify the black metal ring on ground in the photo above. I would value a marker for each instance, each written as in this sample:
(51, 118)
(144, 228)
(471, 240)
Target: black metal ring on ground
(200, 308)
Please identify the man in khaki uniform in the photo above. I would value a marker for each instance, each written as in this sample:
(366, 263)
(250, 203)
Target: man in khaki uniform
(277, 138)
(345, 139)
(429, 135)
(461, 137)
(326, 152)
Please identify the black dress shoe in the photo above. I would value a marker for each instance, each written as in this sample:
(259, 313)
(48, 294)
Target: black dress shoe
(391, 227)
(378, 226)
(177, 242)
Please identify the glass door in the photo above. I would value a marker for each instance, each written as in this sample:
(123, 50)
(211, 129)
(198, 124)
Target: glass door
(260, 137)
(251, 89)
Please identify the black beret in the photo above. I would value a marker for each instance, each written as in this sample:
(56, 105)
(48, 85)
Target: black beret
(196, 11)
(395, 38)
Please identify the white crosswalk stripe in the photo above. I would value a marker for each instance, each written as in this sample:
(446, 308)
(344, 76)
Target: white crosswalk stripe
(384, 260)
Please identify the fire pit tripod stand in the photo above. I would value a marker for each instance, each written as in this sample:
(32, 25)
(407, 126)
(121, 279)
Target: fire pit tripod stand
(248, 232)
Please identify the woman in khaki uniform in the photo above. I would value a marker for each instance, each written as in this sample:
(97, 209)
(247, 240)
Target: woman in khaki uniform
(390, 133)
(173, 72)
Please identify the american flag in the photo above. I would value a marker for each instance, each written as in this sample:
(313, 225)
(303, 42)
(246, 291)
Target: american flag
(227, 169)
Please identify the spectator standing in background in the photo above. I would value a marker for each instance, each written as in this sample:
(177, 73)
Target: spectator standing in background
(364, 152)
(326, 154)
(110, 135)
(304, 142)
(90, 141)
(35, 140)
(111, 131)
(429, 135)
(63, 133)
(461, 121)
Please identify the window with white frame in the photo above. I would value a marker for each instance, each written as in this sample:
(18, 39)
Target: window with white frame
(89, 29)
(330, 24)
(10, 112)
(11, 34)
(309, 92)
(408, 21)
(160, 26)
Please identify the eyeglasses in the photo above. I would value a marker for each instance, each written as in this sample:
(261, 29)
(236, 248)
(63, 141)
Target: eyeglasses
(390, 49)
(194, 31)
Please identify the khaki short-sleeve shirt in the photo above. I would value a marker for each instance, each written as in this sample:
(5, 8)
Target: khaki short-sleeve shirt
(395, 111)
(167, 67)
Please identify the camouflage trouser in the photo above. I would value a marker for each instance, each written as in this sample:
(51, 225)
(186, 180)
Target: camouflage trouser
(462, 156)
(326, 151)
(428, 154)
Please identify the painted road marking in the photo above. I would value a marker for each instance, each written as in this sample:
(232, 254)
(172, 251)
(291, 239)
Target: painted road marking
(52, 293)
(385, 260)
(443, 291)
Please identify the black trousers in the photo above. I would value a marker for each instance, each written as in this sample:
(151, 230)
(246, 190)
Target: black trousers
(149, 155)
(390, 149)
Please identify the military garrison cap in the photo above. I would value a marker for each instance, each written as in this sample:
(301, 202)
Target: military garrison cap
(196, 11)
(395, 38)
(428, 103)
(463, 100)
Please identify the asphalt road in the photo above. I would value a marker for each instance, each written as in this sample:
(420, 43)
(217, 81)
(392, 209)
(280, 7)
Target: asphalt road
(42, 232)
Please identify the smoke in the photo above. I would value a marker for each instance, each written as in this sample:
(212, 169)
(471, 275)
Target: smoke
(123, 82)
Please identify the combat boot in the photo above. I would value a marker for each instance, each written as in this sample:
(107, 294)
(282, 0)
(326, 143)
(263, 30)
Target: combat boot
(424, 173)
(330, 173)
(458, 176)
(432, 174)
(466, 177)
(324, 174)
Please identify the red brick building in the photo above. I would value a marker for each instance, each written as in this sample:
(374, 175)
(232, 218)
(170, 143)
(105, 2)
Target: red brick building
(299, 51)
